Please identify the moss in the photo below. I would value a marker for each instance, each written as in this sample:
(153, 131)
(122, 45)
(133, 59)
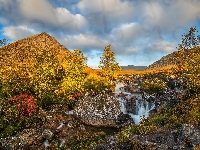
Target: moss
(84, 142)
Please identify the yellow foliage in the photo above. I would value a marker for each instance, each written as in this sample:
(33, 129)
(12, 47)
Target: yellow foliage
(74, 73)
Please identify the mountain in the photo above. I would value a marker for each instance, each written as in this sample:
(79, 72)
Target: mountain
(42, 41)
(38, 41)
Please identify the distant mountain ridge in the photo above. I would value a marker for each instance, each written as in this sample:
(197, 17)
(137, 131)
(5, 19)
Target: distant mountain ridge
(132, 67)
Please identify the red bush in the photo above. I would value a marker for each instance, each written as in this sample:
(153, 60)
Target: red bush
(25, 103)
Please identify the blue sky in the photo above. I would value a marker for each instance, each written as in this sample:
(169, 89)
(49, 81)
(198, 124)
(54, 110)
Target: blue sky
(140, 31)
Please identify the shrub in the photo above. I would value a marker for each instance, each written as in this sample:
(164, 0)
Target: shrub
(16, 113)
(153, 86)
(96, 83)
(32, 71)
(25, 103)
(51, 78)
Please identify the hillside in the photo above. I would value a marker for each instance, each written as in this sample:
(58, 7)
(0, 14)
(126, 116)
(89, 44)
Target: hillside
(176, 58)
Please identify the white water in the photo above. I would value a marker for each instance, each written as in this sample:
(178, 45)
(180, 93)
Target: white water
(122, 104)
(142, 111)
(46, 143)
(119, 87)
(61, 125)
(142, 106)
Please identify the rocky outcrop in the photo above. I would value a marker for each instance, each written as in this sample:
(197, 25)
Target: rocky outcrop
(170, 59)
(186, 137)
(100, 110)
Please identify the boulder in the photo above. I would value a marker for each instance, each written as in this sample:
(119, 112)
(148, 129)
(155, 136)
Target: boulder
(99, 110)
(131, 105)
(190, 135)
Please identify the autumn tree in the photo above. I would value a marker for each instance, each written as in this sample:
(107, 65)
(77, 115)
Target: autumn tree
(108, 64)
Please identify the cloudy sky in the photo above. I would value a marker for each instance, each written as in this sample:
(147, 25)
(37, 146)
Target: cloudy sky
(139, 31)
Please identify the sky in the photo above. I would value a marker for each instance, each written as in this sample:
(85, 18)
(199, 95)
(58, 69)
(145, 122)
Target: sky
(140, 32)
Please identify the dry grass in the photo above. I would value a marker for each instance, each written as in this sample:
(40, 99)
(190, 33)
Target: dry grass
(168, 69)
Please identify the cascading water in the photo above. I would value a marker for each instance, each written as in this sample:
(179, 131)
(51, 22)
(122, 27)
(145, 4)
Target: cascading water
(142, 111)
(142, 106)
(118, 89)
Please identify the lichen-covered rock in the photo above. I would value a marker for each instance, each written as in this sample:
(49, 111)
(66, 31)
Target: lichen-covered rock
(100, 110)
(47, 134)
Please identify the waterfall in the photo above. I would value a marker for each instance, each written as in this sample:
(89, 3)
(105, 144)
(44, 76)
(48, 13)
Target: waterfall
(122, 104)
(142, 111)
(142, 106)
(119, 87)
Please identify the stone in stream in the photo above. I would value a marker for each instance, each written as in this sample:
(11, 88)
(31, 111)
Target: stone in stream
(131, 104)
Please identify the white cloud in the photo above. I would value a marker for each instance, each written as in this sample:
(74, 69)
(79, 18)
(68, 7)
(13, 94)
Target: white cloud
(17, 33)
(54, 17)
(166, 16)
(103, 15)
(64, 17)
(86, 41)
(161, 46)
(127, 31)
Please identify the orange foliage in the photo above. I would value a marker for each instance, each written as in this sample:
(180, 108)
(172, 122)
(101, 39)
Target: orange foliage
(168, 69)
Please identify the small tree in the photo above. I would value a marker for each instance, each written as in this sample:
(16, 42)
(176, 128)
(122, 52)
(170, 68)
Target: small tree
(189, 40)
(108, 64)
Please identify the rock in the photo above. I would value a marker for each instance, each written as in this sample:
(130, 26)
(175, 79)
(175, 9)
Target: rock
(99, 110)
(40, 139)
(124, 118)
(190, 135)
(131, 105)
(82, 128)
(187, 130)
(47, 134)
(162, 147)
